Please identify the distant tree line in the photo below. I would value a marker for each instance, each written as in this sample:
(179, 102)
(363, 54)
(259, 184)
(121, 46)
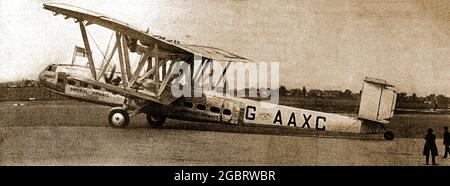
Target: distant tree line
(19, 83)
(26, 89)
(430, 99)
(303, 92)
(297, 92)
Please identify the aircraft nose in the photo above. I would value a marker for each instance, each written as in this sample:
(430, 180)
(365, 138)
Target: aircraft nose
(41, 77)
(42, 80)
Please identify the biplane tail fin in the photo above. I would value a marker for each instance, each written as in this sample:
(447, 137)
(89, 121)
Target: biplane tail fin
(378, 100)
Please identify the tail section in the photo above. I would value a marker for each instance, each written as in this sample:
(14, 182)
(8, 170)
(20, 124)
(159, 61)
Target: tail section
(377, 106)
(377, 101)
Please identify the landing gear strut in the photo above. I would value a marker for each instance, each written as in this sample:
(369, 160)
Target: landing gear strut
(118, 118)
(371, 127)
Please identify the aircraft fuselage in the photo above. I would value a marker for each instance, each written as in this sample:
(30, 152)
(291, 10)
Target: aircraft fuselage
(211, 107)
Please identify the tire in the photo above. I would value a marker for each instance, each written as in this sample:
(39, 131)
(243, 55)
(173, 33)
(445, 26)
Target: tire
(388, 135)
(118, 118)
(155, 120)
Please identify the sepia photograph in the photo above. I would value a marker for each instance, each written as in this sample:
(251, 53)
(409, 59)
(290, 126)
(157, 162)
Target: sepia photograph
(225, 83)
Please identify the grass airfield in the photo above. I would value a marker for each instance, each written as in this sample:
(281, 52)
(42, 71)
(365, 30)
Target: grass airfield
(68, 133)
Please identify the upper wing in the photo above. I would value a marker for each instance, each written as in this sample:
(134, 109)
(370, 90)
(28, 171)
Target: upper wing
(215, 53)
(145, 38)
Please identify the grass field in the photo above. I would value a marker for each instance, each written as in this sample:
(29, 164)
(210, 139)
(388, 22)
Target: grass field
(49, 145)
(70, 113)
(67, 133)
(415, 125)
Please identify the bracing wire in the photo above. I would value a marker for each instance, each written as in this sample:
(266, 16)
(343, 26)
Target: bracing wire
(107, 49)
(98, 47)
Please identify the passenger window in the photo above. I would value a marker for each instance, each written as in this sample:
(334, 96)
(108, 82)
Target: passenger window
(96, 87)
(227, 112)
(188, 104)
(215, 109)
(201, 107)
(71, 82)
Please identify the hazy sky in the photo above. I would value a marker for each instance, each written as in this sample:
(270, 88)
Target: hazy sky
(322, 44)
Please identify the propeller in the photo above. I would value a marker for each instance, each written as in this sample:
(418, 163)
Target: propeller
(108, 79)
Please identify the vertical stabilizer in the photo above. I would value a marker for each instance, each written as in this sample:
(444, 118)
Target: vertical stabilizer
(378, 100)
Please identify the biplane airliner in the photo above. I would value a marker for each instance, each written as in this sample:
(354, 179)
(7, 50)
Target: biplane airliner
(148, 90)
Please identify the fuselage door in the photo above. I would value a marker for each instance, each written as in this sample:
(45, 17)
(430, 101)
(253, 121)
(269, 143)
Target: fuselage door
(230, 112)
(61, 81)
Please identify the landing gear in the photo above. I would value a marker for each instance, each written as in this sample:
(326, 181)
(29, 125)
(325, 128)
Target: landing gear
(155, 120)
(388, 135)
(118, 118)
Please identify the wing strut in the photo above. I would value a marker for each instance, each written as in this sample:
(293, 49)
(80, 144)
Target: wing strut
(88, 50)
(139, 68)
(107, 61)
(121, 61)
(155, 55)
(222, 76)
(151, 72)
(126, 56)
(200, 72)
(168, 78)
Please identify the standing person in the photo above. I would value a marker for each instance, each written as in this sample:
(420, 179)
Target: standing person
(446, 141)
(430, 146)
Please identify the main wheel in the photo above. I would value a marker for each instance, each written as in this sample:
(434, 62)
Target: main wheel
(388, 135)
(118, 118)
(155, 120)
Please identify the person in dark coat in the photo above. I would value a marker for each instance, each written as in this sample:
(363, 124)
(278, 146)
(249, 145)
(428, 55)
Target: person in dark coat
(430, 147)
(446, 141)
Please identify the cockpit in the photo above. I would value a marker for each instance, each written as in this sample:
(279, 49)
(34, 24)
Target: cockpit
(51, 68)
